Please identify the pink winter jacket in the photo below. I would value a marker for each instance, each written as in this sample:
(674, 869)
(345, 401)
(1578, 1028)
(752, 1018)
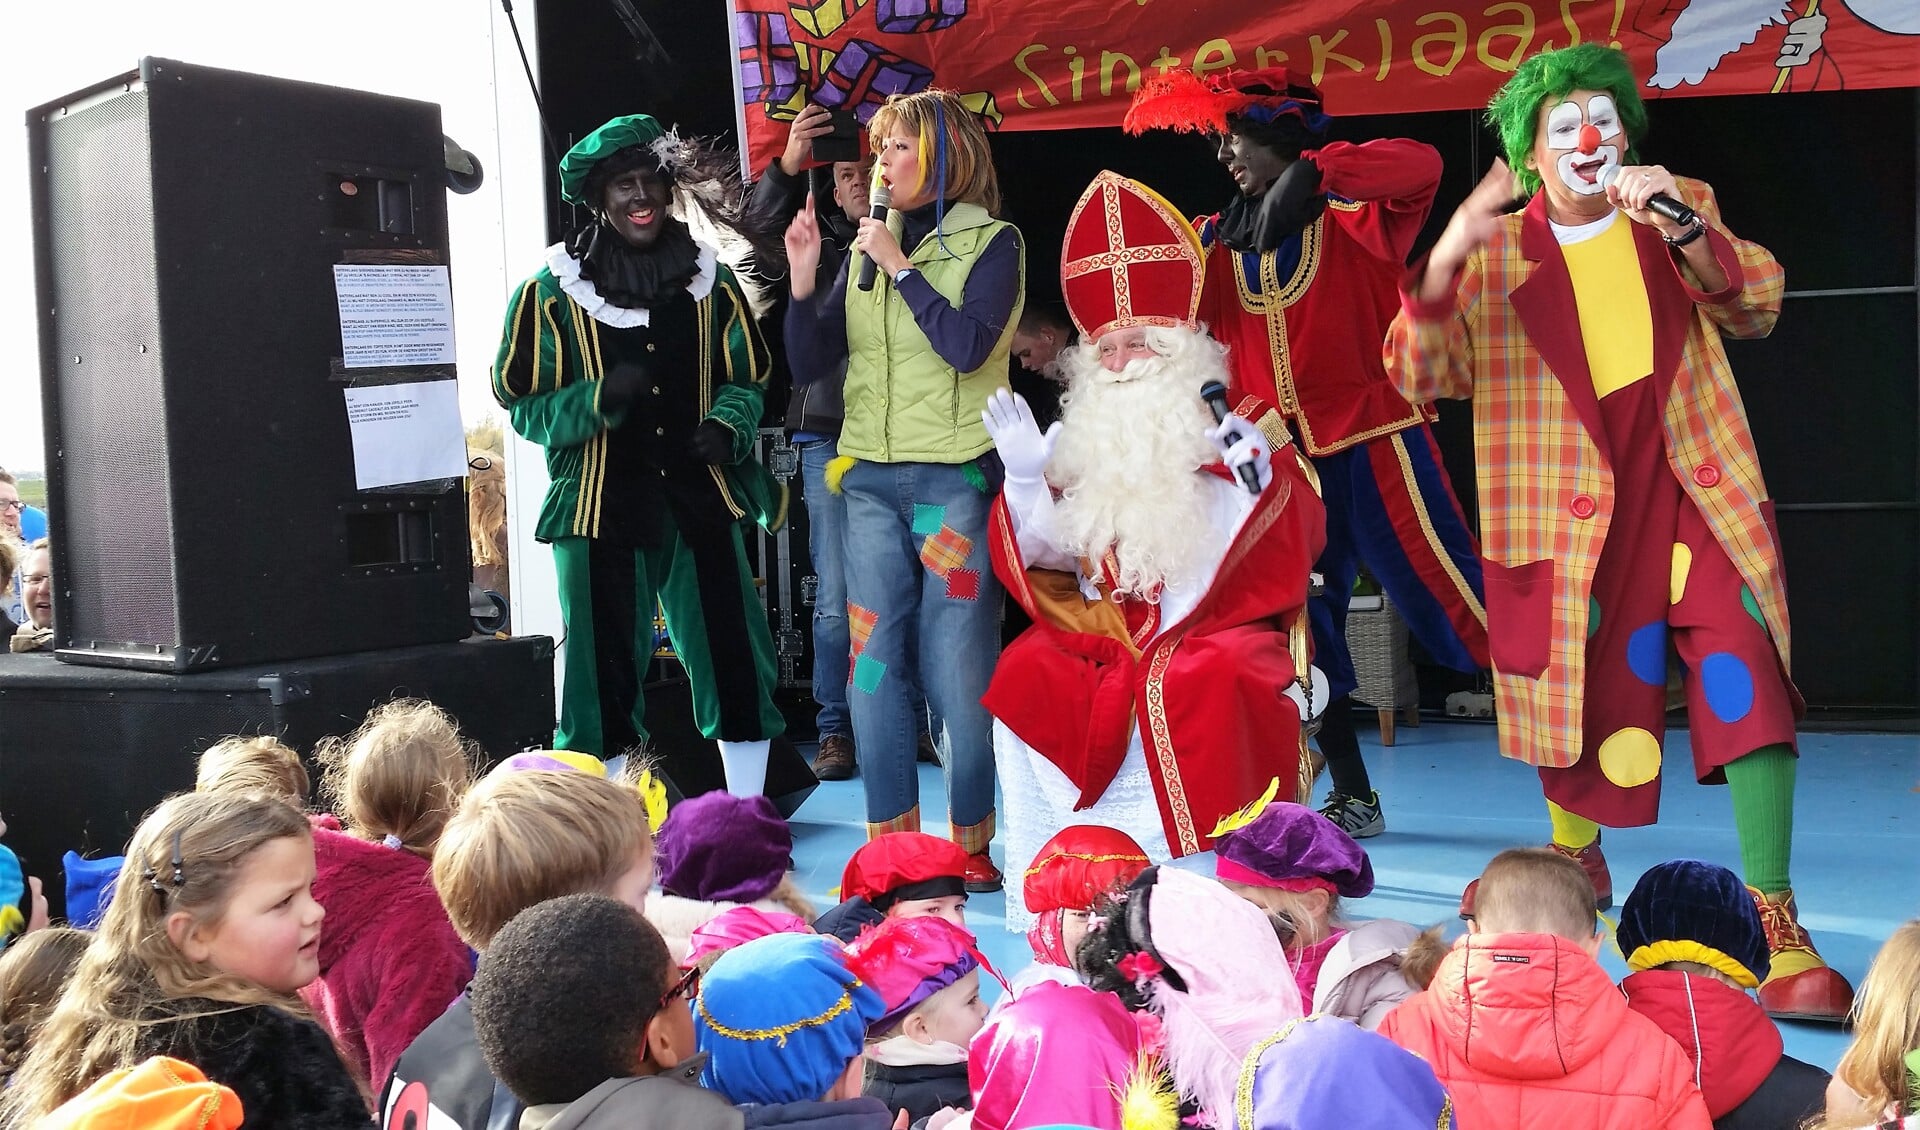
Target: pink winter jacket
(390, 962)
(1526, 1030)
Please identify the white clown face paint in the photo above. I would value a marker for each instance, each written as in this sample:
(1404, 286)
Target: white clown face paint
(1581, 138)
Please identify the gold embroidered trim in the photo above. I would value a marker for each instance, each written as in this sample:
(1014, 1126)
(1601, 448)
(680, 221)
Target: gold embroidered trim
(745, 1035)
(1433, 537)
(1120, 857)
(1249, 1067)
(1163, 749)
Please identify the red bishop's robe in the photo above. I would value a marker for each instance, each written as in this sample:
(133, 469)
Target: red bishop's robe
(1209, 693)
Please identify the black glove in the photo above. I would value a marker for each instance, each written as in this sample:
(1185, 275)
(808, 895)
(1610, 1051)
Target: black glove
(712, 442)
(621, 387)
(1293, 202)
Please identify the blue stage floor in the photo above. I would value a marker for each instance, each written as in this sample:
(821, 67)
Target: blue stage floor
(1452, 803)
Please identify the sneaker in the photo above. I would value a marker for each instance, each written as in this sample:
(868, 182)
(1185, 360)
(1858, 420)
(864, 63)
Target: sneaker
(1357, 817)
(834, 762)
(982, 876)
(1800, 985)
(928, 753)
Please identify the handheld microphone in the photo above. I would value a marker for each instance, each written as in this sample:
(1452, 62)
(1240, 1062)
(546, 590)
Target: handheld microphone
(1215, 394)
(877, 205)
(1662, 203)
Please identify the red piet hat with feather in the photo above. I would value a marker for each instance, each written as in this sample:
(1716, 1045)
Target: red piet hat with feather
(1129, 259)
(1188, 103)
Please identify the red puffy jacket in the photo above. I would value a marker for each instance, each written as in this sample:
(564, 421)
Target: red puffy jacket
(1527, 1031)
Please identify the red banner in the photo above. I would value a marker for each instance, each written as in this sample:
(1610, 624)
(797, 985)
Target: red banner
(1065, 64)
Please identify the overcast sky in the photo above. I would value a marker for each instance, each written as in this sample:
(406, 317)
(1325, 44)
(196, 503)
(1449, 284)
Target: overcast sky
(434, 50)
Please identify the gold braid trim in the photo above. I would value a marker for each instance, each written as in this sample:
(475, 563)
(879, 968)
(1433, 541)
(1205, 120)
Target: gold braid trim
(1125, 856)
(781, 1033)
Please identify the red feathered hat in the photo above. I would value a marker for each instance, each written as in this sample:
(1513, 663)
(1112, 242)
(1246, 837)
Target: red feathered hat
(1079, 865)
(905, 865)
(1183, 101)
(1129, 259)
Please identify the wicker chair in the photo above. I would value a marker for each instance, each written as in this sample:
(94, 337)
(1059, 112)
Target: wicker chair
(1377, 639)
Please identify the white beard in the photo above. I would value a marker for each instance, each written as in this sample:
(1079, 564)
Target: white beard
(1127, 465)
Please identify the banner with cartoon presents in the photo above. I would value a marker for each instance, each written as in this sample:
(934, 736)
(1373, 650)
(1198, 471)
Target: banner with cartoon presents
(1064, 64)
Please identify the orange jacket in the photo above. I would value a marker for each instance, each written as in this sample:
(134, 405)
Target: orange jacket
(1526, 1030)
(159, 1094)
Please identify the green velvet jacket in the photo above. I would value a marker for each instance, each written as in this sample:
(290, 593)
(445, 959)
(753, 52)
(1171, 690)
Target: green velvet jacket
(548, 371)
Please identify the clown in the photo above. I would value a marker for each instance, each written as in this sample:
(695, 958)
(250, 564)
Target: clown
(1622, 506)
(632, 358)
(1300, 280)
(1167, 599)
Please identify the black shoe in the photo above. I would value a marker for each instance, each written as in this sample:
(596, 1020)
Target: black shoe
(835, 761)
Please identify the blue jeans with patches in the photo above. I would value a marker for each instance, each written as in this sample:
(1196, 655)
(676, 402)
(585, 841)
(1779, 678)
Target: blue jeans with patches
(919, 572)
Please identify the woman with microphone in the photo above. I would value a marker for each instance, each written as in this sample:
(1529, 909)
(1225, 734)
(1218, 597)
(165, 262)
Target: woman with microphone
(926, 334)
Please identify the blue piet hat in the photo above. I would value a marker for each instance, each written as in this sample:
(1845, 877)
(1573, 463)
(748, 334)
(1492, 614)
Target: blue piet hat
(780, 1018)
(1689, 910)
(1322, 1071)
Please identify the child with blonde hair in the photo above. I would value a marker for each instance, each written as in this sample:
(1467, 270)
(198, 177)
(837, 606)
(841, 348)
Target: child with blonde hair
(519, 837)
(1877, 1082)
(390, 961)
(260, 763)
(212, 933)
(33, 973)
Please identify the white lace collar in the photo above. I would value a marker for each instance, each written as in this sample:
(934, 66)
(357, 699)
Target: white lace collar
(566, 269)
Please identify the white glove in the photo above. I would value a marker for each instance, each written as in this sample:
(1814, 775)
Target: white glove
(1240, 444)
(1024, 450)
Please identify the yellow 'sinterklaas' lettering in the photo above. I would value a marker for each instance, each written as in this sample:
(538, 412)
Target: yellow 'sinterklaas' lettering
(1520, 31)
(1455, 36)
(1107, 61)
(1020, 63)
(1263, 58)
(1323, 53)
(1213, 55)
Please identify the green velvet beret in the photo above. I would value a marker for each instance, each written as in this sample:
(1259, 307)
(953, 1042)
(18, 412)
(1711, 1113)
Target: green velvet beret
(620, 133)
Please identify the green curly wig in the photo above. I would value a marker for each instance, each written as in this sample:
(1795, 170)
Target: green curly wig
(1549, 77)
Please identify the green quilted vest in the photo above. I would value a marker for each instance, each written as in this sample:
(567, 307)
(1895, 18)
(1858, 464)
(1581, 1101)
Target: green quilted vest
(905, 404)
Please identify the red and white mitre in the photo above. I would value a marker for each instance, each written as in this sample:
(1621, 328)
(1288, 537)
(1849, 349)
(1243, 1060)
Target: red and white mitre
(1129, 259)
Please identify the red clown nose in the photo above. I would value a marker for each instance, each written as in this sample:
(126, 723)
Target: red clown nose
(1589, 139)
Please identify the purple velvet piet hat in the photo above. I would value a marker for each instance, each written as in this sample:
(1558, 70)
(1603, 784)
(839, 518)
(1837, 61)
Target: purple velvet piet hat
(1291, 847)
(718, 847)
(1324, 1071)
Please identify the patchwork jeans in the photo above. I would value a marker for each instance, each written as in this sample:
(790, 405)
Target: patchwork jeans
(923, 610)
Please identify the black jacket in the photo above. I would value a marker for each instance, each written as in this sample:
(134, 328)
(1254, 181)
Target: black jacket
(1791, 1092)
(919, 1090)
(283, 1068)
(443, 1068)
(777, 198)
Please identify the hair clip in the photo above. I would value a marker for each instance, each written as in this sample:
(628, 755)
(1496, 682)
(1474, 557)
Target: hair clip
(179, 871)
(392, 841)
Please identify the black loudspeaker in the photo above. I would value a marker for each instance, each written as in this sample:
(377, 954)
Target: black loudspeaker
(691, 763)
(205, 507)
(86, 751)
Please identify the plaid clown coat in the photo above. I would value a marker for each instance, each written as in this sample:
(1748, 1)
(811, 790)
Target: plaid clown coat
(1509, 339)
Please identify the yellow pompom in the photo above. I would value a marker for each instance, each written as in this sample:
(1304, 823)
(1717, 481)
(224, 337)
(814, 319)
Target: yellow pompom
(837, 469)
(1147, 1098)
(654, 791)
(584, 762)
(1233, 821)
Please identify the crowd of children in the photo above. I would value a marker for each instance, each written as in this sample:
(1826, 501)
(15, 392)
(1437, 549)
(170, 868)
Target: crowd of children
(526, 948)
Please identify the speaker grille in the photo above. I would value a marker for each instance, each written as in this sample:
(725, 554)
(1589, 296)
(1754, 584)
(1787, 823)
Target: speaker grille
(116, 542)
